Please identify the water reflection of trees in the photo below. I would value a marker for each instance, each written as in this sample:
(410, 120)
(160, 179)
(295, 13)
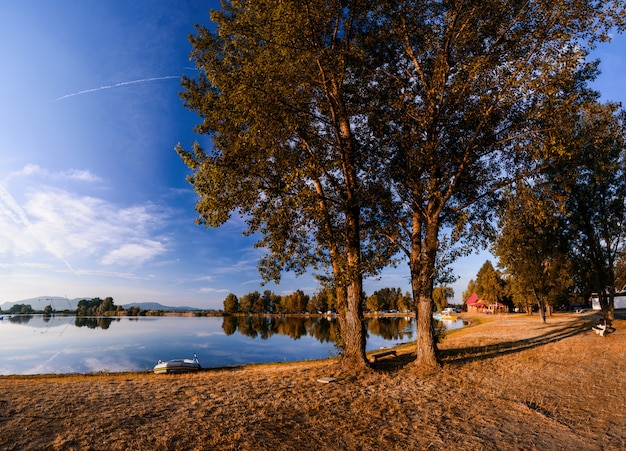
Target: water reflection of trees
(94, 322)
(80, 321)
(398, 328)
(323, 329)
(21, 319)
(266, 326)
(229, 325)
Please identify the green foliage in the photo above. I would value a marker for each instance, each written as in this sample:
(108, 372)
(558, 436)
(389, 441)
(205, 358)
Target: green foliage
(620, 271)
(458, 121)
(532, 247)
(135, 311)
(231, 304)
(247, 302)
(322, 301)
(95, 307)
(271, 301)
(489, 284)
(276, 91)
(295, 302)
(441, 296)
(562, 229)
(387, 299)
(593, 185)
(471, 289)
(298, 302)
(21, 308)
(373, 303)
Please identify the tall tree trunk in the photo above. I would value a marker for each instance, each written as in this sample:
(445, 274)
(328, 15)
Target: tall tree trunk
(351, 319)
(541, 306)
(608, 309)
(348, 291)
(422, 267)
(352, 328)
(607, 301)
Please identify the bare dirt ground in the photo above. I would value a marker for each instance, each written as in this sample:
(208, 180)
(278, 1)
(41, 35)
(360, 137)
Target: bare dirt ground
(507, 383)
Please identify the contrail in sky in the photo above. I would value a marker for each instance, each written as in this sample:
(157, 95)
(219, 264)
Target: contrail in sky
(124, 83)
(11, 208)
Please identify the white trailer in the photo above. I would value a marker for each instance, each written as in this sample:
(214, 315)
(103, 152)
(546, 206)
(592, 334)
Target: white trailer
(619, 300)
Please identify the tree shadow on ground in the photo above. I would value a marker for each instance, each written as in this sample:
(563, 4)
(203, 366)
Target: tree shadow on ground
(465, 354)
(456, 356)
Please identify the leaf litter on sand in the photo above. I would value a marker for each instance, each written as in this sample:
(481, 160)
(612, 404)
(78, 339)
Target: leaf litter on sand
(508, 383)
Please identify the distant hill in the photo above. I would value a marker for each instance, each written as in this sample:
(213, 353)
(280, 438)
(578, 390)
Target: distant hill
(38, 303)
(157, 306)
(61, 303)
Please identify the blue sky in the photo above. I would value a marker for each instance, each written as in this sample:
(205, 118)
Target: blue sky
(93, 198)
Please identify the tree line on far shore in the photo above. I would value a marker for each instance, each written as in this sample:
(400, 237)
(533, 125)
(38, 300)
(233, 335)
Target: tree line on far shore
(104, 307)
(323, 301)
(86, 307)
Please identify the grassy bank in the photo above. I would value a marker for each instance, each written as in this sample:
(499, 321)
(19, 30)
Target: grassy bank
(506, 383)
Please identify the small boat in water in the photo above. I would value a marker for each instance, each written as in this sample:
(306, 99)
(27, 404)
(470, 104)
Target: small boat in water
(444, 317)
(447, 317)
(178, 366)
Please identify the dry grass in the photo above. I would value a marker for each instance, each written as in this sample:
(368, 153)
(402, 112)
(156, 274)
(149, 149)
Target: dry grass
(506, 383)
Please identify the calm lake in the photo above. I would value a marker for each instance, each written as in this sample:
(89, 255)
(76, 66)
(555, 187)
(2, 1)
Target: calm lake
(37, 344)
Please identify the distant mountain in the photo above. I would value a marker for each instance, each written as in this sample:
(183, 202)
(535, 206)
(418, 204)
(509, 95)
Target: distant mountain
(38, 303)
(157, 306)
(61, 303)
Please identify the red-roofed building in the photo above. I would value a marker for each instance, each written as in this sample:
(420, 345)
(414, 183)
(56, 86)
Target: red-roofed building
(475, 305)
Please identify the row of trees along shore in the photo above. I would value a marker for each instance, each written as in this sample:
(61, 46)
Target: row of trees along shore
(353, 135)
(85, 307)
(324, 301)
(103, 307)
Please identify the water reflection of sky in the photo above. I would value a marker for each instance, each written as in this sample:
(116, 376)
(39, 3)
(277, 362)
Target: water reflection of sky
(60, 344)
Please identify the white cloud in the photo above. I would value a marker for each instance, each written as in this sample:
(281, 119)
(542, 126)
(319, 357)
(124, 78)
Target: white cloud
(113, 274)
(27, 170)
(80, 175)
(213, 290)
(134, 253)
(73, 227)
(27, 265)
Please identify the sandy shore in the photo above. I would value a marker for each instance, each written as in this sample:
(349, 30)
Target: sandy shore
(509, 382)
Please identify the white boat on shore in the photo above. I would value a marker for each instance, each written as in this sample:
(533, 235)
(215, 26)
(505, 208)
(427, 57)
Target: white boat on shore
(447, 314)
(178, 366)
(444, 317)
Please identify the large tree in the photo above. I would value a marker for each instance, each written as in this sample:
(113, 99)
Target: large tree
(280, 91)
(572, 214)
(441, 296)
(592, 184)
(329, 113)
(231, 304)
(489, 285)
(463, 87)
(532, 246)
